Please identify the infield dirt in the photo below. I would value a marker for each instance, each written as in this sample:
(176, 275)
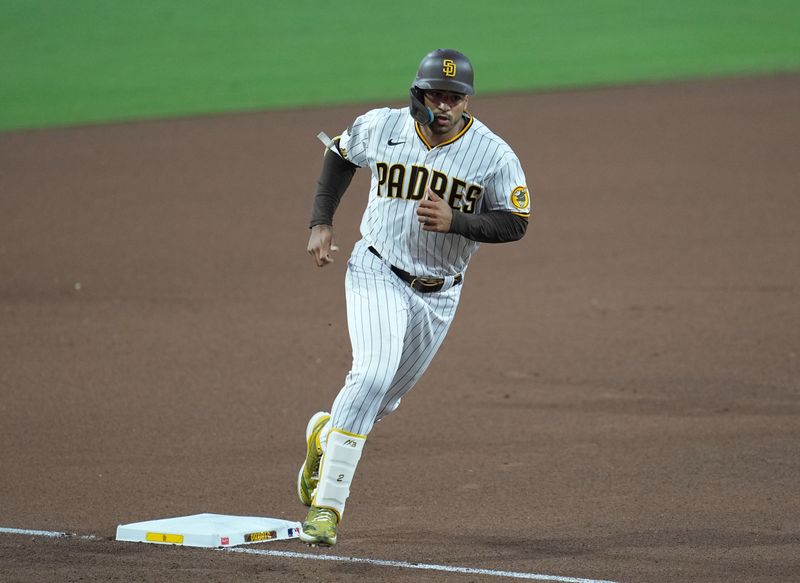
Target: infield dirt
(617, 399)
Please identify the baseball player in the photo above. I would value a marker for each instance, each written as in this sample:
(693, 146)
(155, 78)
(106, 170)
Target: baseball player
(442, 183)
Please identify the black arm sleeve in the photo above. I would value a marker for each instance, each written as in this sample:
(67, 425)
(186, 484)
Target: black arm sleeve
(491, 227)
(333, 181)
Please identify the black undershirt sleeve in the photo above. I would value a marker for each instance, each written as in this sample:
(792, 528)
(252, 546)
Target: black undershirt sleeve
(491, 227)
(333, 181)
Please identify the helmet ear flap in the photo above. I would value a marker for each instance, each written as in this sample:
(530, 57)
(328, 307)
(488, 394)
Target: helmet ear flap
(419, 111)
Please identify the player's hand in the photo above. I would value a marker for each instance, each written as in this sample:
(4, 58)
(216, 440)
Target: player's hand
(434, 213)
(322, 245)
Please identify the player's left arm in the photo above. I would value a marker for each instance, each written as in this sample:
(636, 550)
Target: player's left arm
(504, 217)
(490, 227)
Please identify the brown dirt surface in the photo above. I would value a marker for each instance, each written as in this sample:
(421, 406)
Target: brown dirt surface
(617, 399)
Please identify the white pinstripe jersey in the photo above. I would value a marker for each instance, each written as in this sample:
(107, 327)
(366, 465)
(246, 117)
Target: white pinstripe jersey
(475, 172)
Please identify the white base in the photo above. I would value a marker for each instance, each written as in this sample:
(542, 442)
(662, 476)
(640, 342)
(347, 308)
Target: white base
(208, 530)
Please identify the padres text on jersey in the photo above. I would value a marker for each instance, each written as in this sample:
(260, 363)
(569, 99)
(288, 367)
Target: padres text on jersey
(474, 172)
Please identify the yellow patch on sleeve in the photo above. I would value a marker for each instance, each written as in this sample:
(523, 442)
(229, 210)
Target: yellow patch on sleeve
(520, 198)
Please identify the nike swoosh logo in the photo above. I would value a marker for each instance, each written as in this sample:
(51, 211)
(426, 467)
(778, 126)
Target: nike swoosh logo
(393, 143)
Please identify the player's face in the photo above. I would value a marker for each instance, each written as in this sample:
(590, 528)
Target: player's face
(447, 108)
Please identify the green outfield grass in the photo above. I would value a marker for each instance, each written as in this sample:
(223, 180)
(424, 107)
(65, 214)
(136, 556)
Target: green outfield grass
(85, 61)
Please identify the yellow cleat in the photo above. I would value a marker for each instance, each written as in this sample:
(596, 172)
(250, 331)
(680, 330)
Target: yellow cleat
(308, 477)
(320, 527)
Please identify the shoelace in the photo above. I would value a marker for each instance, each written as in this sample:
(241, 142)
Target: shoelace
(324, 515)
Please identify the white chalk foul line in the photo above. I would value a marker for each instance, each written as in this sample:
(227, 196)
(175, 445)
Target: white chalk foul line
(423, 566)
(48, 533)
(374, 562)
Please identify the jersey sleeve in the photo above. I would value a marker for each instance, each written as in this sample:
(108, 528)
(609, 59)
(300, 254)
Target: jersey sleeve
(354, 141)
(507, 190)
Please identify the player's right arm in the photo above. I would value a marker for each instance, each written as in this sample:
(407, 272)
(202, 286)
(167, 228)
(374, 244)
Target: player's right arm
(333, 182)
(338, 169)
(322, 245)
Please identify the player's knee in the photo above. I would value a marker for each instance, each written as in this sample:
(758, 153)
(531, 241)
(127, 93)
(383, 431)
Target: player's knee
(387, 409)
(372, 381)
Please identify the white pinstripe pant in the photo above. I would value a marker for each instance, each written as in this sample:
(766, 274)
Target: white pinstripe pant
(395, 332)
